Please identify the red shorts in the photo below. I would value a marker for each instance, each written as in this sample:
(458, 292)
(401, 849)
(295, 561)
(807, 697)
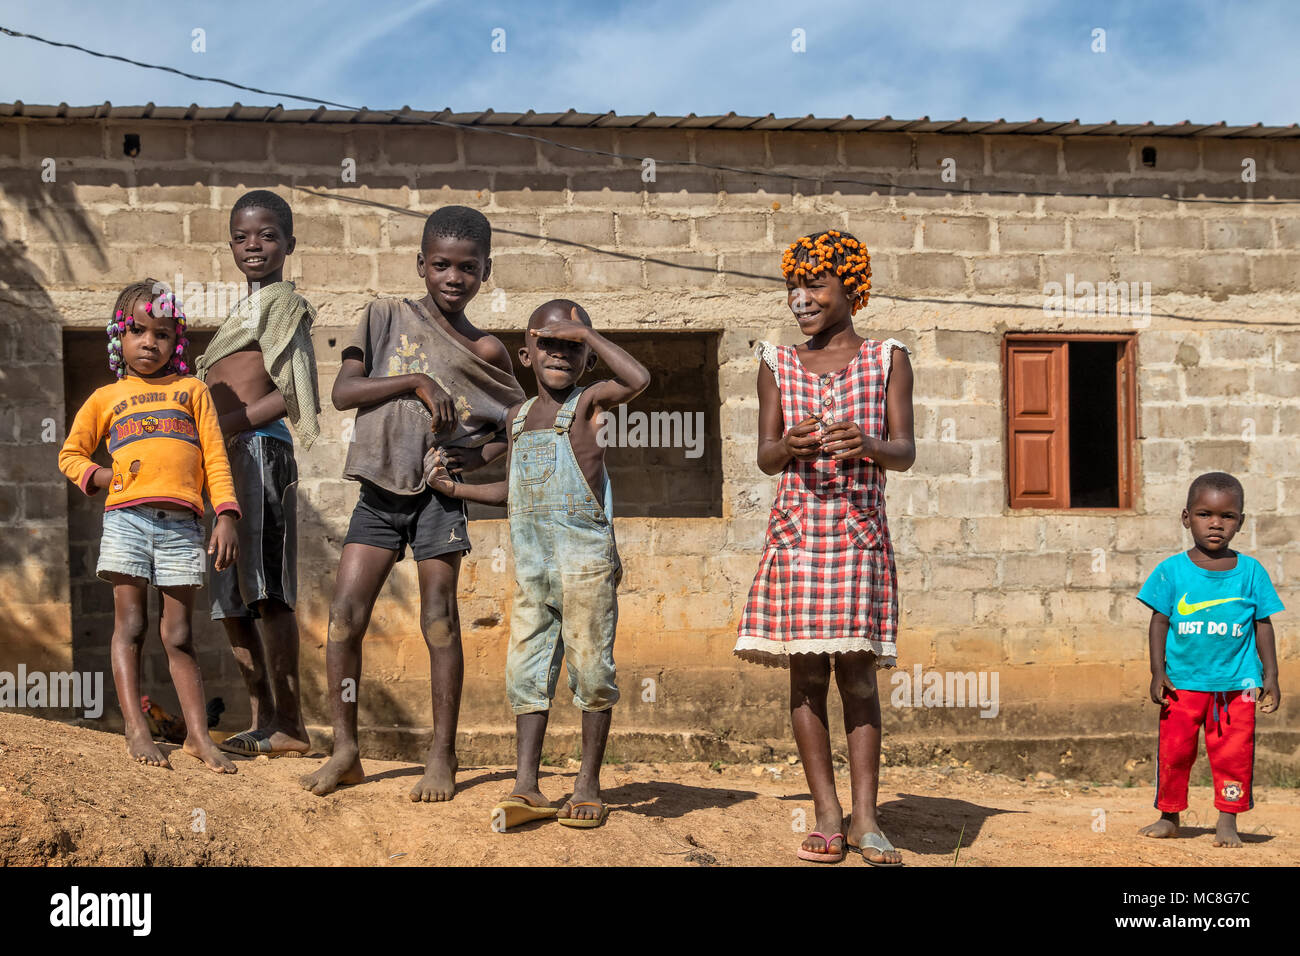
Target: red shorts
(1229, 720)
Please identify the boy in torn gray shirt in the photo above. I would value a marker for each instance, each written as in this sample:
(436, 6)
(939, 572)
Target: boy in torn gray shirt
(421, 376)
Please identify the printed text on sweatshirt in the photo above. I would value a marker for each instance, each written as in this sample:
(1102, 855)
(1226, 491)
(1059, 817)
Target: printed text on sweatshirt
(165, 442)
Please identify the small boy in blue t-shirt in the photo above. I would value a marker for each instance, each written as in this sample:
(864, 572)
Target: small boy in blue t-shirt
(1212, 655)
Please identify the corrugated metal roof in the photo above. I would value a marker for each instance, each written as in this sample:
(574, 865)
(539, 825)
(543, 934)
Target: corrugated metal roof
(575, 120)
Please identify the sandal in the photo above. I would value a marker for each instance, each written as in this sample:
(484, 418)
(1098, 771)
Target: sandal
(829, 856)
(878, 842)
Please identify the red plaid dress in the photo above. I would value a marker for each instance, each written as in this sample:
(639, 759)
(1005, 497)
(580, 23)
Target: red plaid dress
(826, 582)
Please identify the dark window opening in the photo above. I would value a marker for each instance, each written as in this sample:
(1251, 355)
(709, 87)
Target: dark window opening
(1148, 155)
(649, 481)
(1094, 439)
(131, 144)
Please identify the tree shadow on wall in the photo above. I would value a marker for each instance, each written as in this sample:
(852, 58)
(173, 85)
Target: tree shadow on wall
(34, 624)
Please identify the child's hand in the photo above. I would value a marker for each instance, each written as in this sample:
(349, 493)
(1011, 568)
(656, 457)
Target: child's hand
(439, 471)
(439, 479)
(1270, 695)
(452, 459)
(224, 543)
(1160, 684)
(438, 402)
(571, 331)
(845, 440)
(802, 441)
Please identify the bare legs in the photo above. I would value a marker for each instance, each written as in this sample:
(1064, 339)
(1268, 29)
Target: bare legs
(363, 570)
(809, 684)
(268, 663)
(440, 623)
(130, 620)
(586, 789)
(130, 623)
(530, 730)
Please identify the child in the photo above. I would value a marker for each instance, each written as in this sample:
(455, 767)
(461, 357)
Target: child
(831, 420)
(166, 446)
(422, 376)
(1210, 631)
(567, 567)
(261, 369)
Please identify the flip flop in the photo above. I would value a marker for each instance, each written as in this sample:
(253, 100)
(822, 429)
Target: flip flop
(517, 809)
(584, 824)
(878, 842)
(828, 857)
(253, 743)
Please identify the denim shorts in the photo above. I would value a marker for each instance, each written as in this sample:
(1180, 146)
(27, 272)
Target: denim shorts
(162, 546)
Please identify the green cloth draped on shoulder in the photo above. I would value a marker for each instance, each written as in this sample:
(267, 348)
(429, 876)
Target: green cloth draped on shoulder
(278, 320)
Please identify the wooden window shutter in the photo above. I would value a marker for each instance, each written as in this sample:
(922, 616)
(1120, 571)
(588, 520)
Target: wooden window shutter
(1126, 426)
(1038, 427)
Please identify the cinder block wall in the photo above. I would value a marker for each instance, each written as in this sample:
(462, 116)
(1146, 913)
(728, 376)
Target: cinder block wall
(696, 250)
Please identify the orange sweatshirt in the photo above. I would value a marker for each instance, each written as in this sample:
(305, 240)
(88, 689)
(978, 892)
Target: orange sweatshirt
(165, 442)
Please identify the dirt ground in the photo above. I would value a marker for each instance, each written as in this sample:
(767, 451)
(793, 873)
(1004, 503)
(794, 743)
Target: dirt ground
(70, 796)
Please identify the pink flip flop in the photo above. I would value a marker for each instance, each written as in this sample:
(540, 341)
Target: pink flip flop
(829, 857)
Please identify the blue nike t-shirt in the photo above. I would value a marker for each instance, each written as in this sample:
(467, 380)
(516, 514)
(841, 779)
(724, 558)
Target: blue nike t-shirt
(1212, 615)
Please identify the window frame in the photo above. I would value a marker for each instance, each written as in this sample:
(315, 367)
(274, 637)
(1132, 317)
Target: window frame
(1126, 393)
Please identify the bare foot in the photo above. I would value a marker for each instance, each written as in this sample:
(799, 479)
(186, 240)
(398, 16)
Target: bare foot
(589, 810)
(143, 750)
(583, 793)
(532, 795)
(858, 831)
(342, 769)
(1225, 834)
(1166, 826)
(816, 843)
(204, 749)
(833, 846)
(523, 805)
(439, 780)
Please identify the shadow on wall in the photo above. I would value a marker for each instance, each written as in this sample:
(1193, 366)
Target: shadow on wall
(33, 547)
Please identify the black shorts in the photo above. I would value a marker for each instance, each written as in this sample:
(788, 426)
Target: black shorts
(265, 475)
(431, 523)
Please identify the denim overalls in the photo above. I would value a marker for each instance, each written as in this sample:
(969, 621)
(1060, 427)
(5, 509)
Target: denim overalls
(567, 572)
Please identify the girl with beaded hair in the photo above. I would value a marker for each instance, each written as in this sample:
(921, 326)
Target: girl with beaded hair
(146, 294)
(832, 419)
(166, 450)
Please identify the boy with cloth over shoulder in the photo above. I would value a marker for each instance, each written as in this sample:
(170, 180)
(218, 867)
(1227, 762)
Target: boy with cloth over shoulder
(261, 369)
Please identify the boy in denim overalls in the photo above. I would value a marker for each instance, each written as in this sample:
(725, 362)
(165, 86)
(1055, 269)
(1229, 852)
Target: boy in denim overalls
(567, 567)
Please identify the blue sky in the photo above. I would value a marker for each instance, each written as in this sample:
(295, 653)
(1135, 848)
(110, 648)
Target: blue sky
(1013, 59)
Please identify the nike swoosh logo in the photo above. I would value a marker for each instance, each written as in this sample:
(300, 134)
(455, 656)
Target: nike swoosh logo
(1184, 608)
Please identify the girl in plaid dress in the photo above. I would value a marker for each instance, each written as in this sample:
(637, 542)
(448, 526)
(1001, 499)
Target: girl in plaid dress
(834, 414)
